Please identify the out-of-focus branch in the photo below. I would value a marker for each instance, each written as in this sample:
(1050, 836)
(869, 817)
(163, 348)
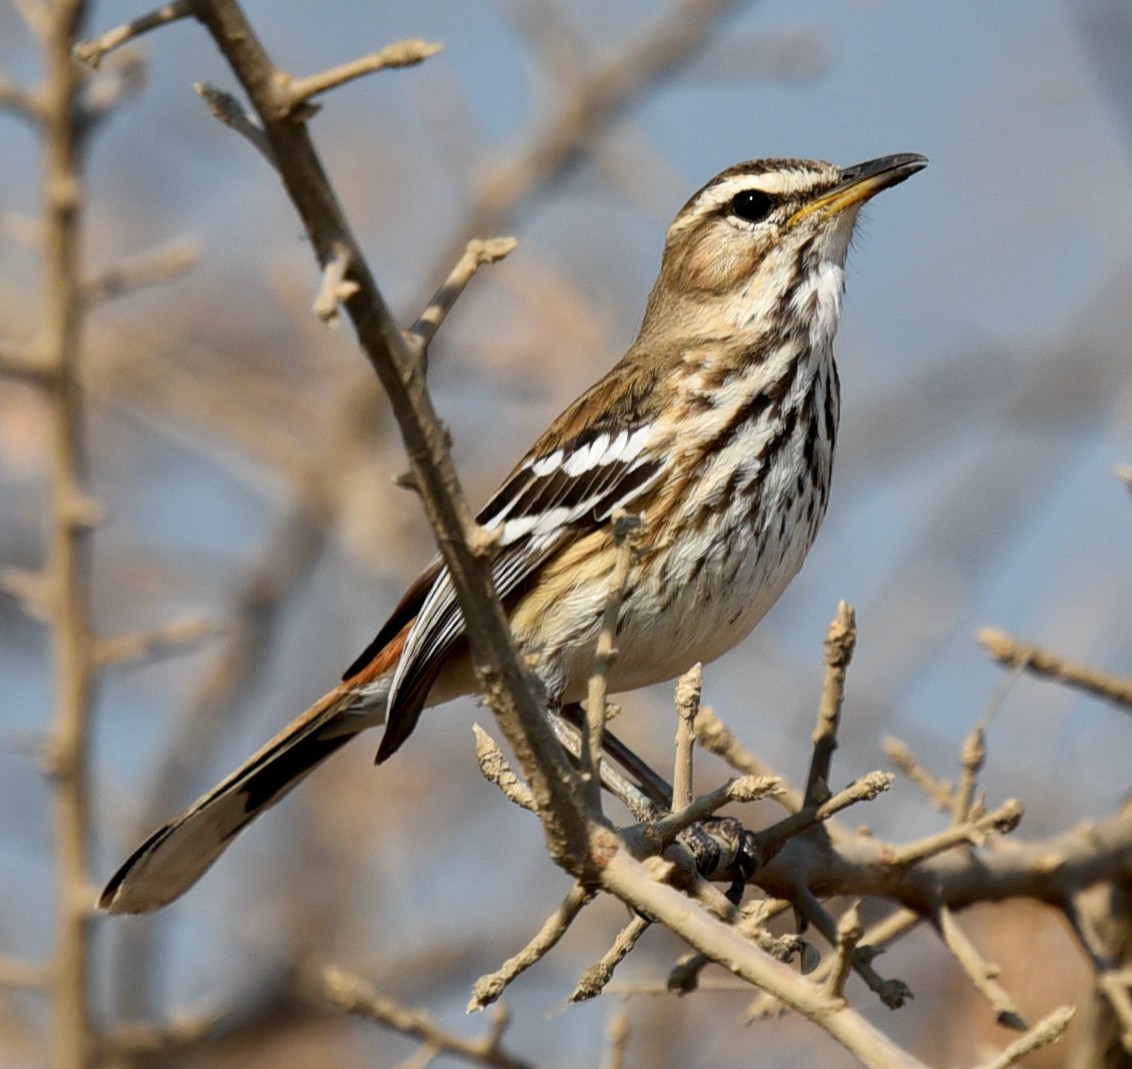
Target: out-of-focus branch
(259, 606)
(1101, 918)
(717, 738)
(91, 52)
(67, 573)
(155, 268)
(1048, 1030)
(939, 792)
(25, 364)
(982, 972)
(356, 996)
(16, 973)
(1006, 649)
(618, 1036)
(20, 101)
(595, 102)
(175, 637)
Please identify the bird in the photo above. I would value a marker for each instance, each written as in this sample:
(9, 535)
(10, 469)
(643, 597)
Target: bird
(716, 431)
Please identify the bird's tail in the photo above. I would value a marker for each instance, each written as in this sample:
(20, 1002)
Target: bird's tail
(174, 857)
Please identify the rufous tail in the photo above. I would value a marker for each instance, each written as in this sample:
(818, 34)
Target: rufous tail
(174, 857)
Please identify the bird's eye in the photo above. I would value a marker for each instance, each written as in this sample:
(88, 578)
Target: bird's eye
(751, 205)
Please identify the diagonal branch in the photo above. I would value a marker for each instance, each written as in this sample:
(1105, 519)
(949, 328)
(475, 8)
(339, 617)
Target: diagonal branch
(398, 54)
(91, 52)
(1006, 649)
(356, 996)
(506, 683)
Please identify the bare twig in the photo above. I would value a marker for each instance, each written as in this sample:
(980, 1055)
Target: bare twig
(232, 114)
(335, 287)
(589, 760)
(488, 988)
(594, 980)
(618, 1036)
(36, 17)
(1048, 1030)
(1116, 986)
(1004, 819)
(110, 88)
(893, 993)
(91, 52)
(26, 364)
(882, 933)
(939, 792)
(34, 591)
(974, 755)
(478, 253)
(497, 769)
(745, 789)
(688, 689)
(981, 971)
(769, 841)
(68, 574)
(356, 996)
(155, 268)
(178, 636)
(134, 1041)
(717, 738)
(849, 933)
(20, 101)
(1008, 650)
(840, 638)
(406, 53)
(1100, 918)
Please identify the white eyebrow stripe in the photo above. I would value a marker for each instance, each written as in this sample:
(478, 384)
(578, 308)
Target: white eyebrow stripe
(776, 183)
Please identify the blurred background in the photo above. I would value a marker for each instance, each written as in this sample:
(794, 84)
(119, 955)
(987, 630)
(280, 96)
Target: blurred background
(245, 460)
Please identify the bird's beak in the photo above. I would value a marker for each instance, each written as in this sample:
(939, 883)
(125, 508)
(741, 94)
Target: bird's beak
(860, 182)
